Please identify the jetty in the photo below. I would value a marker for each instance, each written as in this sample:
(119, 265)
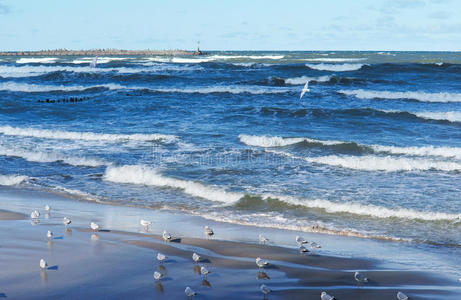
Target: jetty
(100, 52)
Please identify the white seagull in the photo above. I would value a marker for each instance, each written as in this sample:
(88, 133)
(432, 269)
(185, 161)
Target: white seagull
(204, 271)
(208, 231)
(360, 278)
(145, 223)
(43, 264)
(195, 257)
(189, 293)
(158, 275)
(261, 263)
(325, 296)
(161, 257)
(314, 245)
(49, 235)
(66, 221)
(265, 290)
(166, 236)
(94, 226)
(305, 89)
(303, 249)
(47, 208)
(300, 240)
(35, 214)
(263, 239)
(402, 296)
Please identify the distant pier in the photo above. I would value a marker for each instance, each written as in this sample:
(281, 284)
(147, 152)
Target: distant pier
(98, 52)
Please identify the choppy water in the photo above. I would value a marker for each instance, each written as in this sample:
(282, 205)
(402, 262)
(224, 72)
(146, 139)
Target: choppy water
(374, 149)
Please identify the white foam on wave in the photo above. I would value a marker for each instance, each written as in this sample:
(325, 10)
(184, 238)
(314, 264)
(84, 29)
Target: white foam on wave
(28, 87)
(277, 141)
(101, 60)
(378, 163)
(41, 60)
(335, 67)
(190, 60)
(88, 136)
(452, 116)
(336, 59)
(8, 180)
(224, 57)
(419, 96)
(303, 79)
(143, 175)
(47, 157)
(224, 89)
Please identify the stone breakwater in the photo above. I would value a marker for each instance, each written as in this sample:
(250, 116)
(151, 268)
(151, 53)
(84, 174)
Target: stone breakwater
(99, 52)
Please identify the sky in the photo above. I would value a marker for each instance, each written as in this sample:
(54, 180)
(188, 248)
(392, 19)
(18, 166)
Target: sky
(231, 25)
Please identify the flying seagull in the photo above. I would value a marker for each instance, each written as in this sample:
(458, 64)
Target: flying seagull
(305, 89)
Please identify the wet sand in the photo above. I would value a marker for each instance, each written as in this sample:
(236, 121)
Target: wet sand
(114, 264)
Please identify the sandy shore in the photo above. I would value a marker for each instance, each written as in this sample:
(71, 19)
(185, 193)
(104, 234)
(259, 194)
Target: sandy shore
(116, 264)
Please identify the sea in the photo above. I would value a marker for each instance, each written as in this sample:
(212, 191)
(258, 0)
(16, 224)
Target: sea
(372, 150)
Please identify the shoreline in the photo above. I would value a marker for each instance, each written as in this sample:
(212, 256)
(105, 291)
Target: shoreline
(119, 260)
(98, 52)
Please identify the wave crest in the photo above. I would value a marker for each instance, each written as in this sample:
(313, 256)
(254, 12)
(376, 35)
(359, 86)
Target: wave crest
(335, 67)
(9, 180)
(418, 96)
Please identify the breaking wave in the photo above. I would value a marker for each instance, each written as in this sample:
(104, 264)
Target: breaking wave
(88, 136)
(452, 116)
(277, 141)
(223, 89)
(418, 96)
(12, 179)
(35, 60)
(335, 67)
(303, 79)
(336, 59)
(33, 88)
(142, 175)
(45, 157)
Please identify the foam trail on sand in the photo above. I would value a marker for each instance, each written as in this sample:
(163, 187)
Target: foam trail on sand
(45, 157)
(12, 179)
(88, 136)
(335, 67)
(378, 163)
(143, 175)
(418, 96)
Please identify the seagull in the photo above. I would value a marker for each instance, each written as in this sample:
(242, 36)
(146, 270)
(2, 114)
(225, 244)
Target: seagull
(145, 223)
(314, 245)
(303, 249)
(325, 296)
(459, 279)
(161, 257)
(43, 264)
(300, 240)
(189, 293)
(35, 214)
(158, 275)
(195, 257)
(402, 296)
(94, 226)
(265, 290)
(261, 262)
(360, 278)
(305, 89)
(263, 239)
(204, 271)
(49, 235)
(208, 231)
(66, 221)
(166, 236)
(47, 208)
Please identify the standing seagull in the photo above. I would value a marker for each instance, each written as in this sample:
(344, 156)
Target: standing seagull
(47, 208)
(360, 278)
(66, 221)
(300, 240)
(49, 235)
(43, 264)
(325, 296)
(261, 263)
(166, 236)
(35, 214)
(305, 89)
(145, 224)
(161, 257)
(204, 271)
(94, 226)
(189, 293)
(208, 231)
(158, 276)
(195, 257)
(265, 290)
(262, 239)
(402, 296)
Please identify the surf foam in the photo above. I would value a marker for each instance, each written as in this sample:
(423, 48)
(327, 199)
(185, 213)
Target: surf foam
(35, 60)
(452, 116)
(336, 59)
(8, 180)
(303, 79)
(335, 67)
(32, 88)
(419, 96)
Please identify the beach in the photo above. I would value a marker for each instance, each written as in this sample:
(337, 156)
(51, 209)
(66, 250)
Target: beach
(116, 264)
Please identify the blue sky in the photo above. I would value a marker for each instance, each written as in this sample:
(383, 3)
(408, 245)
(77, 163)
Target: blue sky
(231, 25)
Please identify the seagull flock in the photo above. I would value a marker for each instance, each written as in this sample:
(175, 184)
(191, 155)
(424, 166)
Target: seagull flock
(196, 258)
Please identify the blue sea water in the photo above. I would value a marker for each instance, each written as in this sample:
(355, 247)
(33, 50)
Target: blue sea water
(373, 150)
